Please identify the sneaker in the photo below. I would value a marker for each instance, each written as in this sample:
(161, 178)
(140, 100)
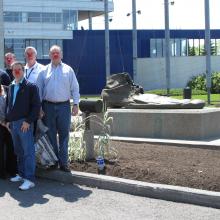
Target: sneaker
(17, 178)
(27, 184)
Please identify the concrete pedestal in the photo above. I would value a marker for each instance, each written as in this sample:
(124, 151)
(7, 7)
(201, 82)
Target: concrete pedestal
(89, 139)
(185, 124)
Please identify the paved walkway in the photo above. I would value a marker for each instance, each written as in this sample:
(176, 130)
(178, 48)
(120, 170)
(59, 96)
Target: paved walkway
(53, 200)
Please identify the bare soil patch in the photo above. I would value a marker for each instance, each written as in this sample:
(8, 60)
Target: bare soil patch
(182, 166)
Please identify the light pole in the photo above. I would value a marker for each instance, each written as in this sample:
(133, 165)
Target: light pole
(134, 39)
(1, 36)
(107, 50)
(90, 20)
(207, 49)
(167, 45)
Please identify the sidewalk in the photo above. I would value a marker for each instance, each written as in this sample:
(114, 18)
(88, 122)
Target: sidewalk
(139, 188)
(51, 200)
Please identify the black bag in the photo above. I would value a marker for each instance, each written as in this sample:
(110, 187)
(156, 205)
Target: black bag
(2, 155)
(119, 90)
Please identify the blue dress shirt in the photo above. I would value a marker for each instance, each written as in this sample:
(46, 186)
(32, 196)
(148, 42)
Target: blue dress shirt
(58, 84)
(16, 88)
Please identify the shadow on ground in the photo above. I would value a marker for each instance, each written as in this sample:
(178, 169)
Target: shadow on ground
(37, 195)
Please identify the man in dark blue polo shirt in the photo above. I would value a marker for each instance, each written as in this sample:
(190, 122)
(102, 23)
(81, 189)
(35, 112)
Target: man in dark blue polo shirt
(23, 109)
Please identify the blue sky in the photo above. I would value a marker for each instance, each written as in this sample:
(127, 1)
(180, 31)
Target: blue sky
(184, 14)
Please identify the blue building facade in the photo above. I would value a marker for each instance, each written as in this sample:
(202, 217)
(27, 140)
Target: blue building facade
(86, 51)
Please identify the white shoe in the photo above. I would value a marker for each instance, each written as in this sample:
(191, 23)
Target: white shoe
(17, 178)
(27, 184)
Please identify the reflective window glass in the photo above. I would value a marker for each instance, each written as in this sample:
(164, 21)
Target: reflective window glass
(12, 16)
(34, 17)
(153, 48)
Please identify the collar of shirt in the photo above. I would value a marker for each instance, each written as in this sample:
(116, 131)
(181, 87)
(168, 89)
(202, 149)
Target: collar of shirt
(54, 67)
(34, 66)
(14, 82)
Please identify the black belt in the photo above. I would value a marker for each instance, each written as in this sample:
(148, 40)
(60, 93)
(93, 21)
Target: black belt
(56, 103)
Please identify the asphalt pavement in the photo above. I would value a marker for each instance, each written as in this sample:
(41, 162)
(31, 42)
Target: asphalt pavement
(55, 200)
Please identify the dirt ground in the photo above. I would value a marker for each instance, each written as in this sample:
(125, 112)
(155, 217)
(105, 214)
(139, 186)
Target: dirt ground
(182, 166)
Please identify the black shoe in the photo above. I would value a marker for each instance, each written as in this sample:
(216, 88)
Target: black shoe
(54, 167)
(65, 169)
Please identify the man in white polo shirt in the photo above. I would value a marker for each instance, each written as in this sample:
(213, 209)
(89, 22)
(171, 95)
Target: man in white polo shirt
(32, 67)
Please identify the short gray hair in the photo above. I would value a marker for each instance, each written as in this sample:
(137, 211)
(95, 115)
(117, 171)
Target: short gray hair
(56, 47)
(10, 53)
(30, 48)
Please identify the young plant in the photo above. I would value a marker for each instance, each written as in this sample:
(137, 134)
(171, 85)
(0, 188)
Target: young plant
(77, 145)
(103, 147)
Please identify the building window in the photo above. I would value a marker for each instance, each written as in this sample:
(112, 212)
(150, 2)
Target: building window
(153, 48)
(17, 46)
(34, 17)
(43, 46)
(159, 47)
(70, 20)
(217, 46)
(38, 17)
(12, 16)
(183, 47)
(49, 17)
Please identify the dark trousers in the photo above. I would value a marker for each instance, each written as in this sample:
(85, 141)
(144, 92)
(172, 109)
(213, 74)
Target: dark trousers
(8, 160)
(57, 118)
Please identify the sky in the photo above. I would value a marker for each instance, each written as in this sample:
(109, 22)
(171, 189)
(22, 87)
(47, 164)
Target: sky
(184, 14)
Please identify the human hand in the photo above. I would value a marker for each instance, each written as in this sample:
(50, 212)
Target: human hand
(25, 126)
(75, 110)
(2, 91)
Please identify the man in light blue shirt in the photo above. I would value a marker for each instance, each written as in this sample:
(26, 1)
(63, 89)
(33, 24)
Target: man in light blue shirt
(32, 67)
(57, 85)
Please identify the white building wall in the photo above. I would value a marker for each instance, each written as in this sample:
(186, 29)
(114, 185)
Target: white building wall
(27, 30)
(36, 31)
(151, 71)
(54, 5)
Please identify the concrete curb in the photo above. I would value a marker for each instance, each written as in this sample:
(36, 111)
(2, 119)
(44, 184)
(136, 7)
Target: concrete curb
(138, 188)
(179, 143)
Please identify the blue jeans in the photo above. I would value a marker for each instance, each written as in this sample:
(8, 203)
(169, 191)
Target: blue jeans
(57, 119)
(24, 149)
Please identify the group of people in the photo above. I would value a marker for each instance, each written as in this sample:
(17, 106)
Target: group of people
(31, 92)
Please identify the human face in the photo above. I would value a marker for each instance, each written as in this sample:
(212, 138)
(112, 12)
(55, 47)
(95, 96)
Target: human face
(9, 59)
(55, 56)
(18, 72)
(30, 55)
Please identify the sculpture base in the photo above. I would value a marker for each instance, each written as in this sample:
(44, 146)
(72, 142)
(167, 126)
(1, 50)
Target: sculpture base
(183, 124)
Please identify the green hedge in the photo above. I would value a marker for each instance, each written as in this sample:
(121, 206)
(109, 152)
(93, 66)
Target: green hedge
(199, 83)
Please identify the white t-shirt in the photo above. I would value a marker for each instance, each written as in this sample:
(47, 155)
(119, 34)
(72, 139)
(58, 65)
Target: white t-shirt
(32, 73)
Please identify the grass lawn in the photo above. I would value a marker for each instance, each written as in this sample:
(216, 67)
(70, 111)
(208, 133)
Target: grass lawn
(215, 98)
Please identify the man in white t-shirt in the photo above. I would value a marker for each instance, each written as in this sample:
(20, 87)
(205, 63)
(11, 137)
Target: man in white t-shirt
(32, 67)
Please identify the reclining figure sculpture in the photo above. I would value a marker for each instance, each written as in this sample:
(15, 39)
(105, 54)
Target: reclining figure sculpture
(121, 92)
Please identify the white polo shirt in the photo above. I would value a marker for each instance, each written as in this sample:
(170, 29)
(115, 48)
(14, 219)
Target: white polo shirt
(32, 73)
